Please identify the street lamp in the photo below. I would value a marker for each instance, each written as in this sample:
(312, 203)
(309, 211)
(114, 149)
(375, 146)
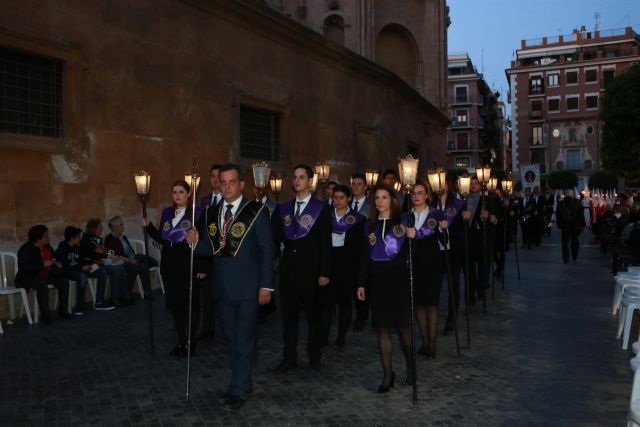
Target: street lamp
(322, 170)
(464, 184)
(397, 186)
(189, 179)
(437, 178)
(261, 172)
(314, 182)
(492, 184)
(483, 173)
(507, 185)
(408, 168)
(371, 176)
(142, 180)
(275, 182)
(464, 187)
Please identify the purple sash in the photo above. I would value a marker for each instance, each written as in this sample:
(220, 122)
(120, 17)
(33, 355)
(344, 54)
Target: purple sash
(178, 233)
(429, 225)
(386, 249)
(297, 228)
(347, 221)
(452, 209)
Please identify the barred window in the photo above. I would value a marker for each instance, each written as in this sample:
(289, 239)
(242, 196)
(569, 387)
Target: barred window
(259, 133)
(30, 94)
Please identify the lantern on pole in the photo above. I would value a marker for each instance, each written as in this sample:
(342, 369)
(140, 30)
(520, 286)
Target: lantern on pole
(408, 168)
(189, 179)
(464, 184)
(437, 180)
(261, 172)
(492, 184)
(371, 176)
(322, 170)
(314, 182)
(275, 182)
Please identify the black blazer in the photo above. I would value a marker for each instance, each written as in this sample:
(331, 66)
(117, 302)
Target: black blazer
(29, 263)
(346, 259)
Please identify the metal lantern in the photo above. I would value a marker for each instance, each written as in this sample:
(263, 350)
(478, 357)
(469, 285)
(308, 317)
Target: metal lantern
(314, 182)
(408, 168)
(507, 184)
(322, 171)
(188, 179)
(275, 182)
(261, 172)
(143, 182)
(464, 184)
(437, 179)
(371, 176)
(493, 183)
(397, 186)
(483, 173)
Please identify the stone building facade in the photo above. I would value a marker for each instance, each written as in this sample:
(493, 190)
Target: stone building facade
(556, 90)
(93, 91)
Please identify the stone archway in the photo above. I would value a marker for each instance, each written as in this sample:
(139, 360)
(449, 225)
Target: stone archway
(396, 50)
(334, 29)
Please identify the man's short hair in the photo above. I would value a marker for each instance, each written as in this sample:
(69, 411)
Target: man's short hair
(390, 172)
(359, 176)
(71, 232)
(341, 188)
(214, 167)
(92, 226)
(232, 167)
(37, 232)
(112, 222)
(309, 172)
(330, 183)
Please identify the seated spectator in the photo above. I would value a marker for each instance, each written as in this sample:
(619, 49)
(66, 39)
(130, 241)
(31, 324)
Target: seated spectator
(93, 251)
(134, 264)
(73, 267)
(37, 268)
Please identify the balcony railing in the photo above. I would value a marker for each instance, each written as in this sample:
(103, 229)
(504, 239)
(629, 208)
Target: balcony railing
(455, 123)
(457, 99)
(535, 115)
(468, 146)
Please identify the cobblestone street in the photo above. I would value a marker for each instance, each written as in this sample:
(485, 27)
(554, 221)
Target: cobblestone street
(544, 354)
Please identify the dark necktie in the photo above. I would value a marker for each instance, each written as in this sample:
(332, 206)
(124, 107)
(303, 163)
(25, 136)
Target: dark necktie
(214, 201)
(227, 214)
(355, 206)
(297, 214)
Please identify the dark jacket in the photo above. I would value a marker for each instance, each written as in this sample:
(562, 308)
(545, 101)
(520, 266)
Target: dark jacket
(569, 215)
(88, 250)
(29, 263)
(69, 257)
(112, 243)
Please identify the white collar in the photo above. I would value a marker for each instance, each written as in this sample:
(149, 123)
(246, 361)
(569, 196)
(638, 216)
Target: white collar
(360, 199)
(305, 200)
(235, 203)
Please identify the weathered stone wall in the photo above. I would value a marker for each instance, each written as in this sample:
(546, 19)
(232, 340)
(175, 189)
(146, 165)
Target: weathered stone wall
(151, 83)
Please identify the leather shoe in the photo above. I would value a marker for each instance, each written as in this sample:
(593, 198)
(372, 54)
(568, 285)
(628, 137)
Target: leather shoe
(285, 366)
(233, 404)
(384, 389)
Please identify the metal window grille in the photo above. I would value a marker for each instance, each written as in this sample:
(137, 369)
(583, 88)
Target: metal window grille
(30, 94)
(259, 133)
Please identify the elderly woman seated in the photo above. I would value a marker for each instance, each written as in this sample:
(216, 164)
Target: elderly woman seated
(134, 264)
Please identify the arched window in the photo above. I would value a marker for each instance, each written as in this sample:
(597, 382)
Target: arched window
(334, 29)
(396, 51)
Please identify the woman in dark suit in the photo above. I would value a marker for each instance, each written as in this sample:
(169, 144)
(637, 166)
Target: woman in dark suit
(427, 266)
(347, 234)
(384, 275)
(176, 257)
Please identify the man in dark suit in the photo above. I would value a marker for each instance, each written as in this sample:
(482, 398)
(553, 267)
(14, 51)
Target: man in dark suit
(238, 235)
(359, 201)
(571, 222)
(303, 225)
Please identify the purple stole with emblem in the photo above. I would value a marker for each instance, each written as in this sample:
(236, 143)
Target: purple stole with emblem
(297, 228)
(347, 221)
(178, 233)
(429, 225)
(387, 248)
(452, 209)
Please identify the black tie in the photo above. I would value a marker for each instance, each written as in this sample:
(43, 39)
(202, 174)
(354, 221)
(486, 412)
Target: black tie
(214, 201)
(355, 206)
(227, 214)
(297, 214)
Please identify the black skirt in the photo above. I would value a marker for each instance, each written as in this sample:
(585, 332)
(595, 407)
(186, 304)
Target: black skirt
(389, 293)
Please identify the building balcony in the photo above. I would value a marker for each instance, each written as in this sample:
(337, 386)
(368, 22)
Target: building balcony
(469, 146)
(536, 115)
(468, 123)
(459, 100)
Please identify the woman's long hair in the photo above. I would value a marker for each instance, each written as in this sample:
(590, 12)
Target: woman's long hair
(182, 183)
(395, 209)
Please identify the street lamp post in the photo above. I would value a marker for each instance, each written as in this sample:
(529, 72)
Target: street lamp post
(483, 173)
(437, 180)
(464, 185)
(261, 173)
(142, 180)
(323, 170)
(408, 167)
(275, 182)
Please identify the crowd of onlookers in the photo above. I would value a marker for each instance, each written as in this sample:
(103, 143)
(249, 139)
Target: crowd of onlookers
(79, 257)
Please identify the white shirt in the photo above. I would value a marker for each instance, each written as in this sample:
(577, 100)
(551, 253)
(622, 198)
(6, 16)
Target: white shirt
(263, 200)
(304, 204)
(177, 216)
(234, 208)
(337, 239)
(215, 198)
(420, 217)
(360, 201)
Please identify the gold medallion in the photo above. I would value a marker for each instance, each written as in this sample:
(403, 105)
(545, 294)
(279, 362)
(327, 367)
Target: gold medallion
(305, 220)
(350, 219)
(452, 211)
(399, 230)
(432, 223)
(372, 239)
(166, 226)
(213, 229)
(287, 220)
(238, 230)
(185, 225)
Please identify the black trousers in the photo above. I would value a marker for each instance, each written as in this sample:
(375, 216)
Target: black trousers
(570, 245)
(299, 296)
(39, 284)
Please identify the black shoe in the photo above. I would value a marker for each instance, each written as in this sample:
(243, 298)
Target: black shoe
(384, 389)
(65, 315)
(179, 351)
(233, 404)
(448, 328)
(103, 306)
(285, 366)
(315, 366)
(431, 352)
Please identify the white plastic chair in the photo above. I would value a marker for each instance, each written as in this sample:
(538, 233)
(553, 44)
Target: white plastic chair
(622, 283)
(9, 289)
(138, 247)
(630, 303)
(633, 419)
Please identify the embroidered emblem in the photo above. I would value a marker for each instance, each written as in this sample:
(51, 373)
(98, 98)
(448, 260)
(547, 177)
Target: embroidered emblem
(305, 220)
(185, 225)
(432, 223)
(452, 211)
(238, 230)
(399, 230)
(213, 229)
(350, 219)
(287, 220)
(166, 226)
(372, 239)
